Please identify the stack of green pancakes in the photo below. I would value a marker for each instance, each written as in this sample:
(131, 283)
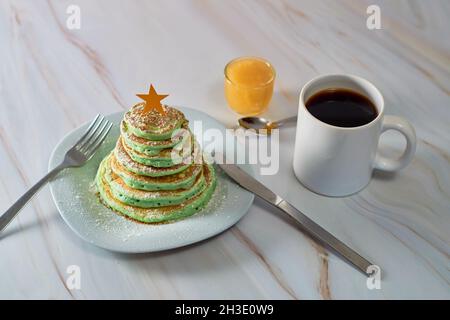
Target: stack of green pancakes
(155, 173)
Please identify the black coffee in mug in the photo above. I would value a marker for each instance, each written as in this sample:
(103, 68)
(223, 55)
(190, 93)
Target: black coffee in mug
(342, 108)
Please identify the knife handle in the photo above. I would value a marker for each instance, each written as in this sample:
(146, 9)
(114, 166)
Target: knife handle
(325, 238)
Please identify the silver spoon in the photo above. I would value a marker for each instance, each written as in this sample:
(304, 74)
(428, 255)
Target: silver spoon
(258, 123)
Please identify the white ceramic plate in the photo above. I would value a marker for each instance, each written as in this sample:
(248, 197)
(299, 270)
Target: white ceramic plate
(75, 198)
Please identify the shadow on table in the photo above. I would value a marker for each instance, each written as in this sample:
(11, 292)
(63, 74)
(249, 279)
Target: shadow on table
(205, 257)
(383, 175)
(13, 229)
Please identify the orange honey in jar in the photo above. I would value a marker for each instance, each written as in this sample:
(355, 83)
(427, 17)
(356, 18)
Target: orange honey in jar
(249, 85)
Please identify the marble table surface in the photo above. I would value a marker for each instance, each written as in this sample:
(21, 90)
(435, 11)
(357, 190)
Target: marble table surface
(52, 79)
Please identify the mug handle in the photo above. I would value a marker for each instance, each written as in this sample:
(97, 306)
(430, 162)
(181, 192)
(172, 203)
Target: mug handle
(405, 128)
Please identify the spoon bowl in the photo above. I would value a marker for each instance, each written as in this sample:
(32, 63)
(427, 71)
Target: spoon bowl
(254, 123)
(259, 124)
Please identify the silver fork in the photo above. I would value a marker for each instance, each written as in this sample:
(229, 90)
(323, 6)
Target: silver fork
(76, 156)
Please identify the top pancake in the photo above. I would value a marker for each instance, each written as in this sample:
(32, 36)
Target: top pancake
(152, 125)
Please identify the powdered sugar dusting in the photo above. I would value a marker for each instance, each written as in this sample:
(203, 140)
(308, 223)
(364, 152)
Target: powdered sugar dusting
(76, 199)
(153, 121)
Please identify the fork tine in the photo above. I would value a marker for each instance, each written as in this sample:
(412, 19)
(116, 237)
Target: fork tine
(93, 134)
(93, 148)
(88, 129)
(95, 137)
(89, 134)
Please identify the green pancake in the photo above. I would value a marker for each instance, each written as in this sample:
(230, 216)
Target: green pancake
(181, 180)
(152, 125)
(160, 214)
(148, 199)
(151, 147)
(163, 159)
(155, 172)
(138, 168)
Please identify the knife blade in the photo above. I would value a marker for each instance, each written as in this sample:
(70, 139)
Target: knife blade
(307, 225)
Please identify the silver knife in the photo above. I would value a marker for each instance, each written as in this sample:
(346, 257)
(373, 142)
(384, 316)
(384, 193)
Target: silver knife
(310, 227)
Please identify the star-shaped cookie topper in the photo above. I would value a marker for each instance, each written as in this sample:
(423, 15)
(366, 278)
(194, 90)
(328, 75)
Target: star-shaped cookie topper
(153, 101)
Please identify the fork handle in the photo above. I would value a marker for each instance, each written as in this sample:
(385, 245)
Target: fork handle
(11, 213)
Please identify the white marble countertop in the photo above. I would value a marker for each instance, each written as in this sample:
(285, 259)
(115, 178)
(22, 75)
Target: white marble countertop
(53, 79)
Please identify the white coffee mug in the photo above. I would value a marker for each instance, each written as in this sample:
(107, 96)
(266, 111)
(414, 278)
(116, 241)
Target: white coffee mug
(338, 161)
